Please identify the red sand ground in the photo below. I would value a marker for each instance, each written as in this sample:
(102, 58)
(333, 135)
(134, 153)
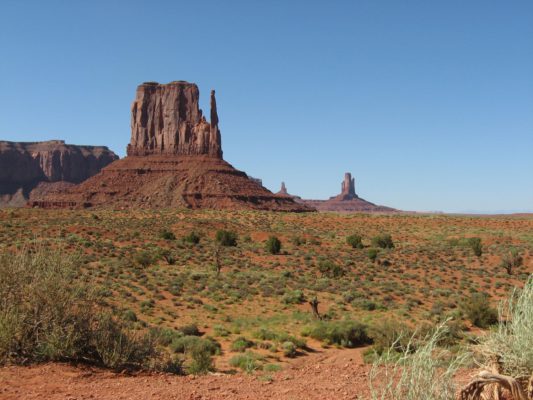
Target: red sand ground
(327, 374)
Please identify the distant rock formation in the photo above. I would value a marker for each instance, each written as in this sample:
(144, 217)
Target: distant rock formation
(167, 120)
(29, 166)
(174, 160)
(284, 193)
(347, 200)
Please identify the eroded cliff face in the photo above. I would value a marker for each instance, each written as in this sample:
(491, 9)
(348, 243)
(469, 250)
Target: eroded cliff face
(24, 165)
(174, 160)
(166, 120)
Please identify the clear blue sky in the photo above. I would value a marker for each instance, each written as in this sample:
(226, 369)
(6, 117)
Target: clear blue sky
(428, 103)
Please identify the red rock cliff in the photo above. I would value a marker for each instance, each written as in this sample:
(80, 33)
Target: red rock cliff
(166, 120)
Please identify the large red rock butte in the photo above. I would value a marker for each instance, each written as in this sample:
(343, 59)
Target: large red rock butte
(28, 169)
(347, 200)
(174, 159)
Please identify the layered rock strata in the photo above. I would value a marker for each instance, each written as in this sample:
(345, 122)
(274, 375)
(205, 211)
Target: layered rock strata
(24, 166)
(174, 160)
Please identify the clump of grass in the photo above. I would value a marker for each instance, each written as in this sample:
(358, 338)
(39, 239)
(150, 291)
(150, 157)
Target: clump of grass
(192, 238)
(423, 373)
(248, 362)
(512, 341)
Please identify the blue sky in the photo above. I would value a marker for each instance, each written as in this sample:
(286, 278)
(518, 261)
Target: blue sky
(428, 103)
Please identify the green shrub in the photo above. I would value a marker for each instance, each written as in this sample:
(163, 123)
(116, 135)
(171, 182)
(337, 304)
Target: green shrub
(475, 244)
(511, 260)
(373, 254)
(47, 313)
(330, 269)
(356, 241)
(190, 330)
(143, 258)
(343, 333)
(248, 362)
(167, 235)
(273, 245)
(478, 310)
(293, 297)
(192, 238)
(289, 349)
(383, 241)
(186, 344)
(201, 357)
(226, 238)
(241, 344)
(129, 315)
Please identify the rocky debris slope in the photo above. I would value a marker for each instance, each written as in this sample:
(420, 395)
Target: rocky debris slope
(347, 200)
(26, 166)
(174, 160)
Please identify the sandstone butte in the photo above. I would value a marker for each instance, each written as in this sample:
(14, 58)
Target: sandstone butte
(29, 169)
(347, 200)
(174, 159)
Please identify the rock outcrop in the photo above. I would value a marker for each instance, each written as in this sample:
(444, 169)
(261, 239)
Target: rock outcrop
(24, 166)
(174, 160)
(347, 200)
(284, 193)
(167, 120)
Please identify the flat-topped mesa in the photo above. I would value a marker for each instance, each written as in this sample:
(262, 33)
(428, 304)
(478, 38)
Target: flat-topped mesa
(166, 120)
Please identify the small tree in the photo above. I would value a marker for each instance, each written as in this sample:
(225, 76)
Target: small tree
(226, 238)
(273, 245)
(511, 260)
(355, 241)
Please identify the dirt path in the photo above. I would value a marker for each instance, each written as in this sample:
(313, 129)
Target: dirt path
(329, 374)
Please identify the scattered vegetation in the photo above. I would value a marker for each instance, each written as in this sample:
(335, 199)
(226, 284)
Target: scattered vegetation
(226, 238)
(356, 241)
(273, 245)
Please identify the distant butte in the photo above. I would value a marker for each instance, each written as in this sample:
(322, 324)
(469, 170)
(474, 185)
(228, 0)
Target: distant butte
(174, 159)
(29, 169)
(347, 200)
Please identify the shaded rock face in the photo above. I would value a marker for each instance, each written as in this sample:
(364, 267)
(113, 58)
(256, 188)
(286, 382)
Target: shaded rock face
(174, 160)
(166, 120)
(25, 165)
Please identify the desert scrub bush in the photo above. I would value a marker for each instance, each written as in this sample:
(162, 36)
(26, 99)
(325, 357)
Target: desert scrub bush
(192, 238)
(330, 269)
(293, 297)
(373, 254)
(425, 373)
(512, 341)
(383, 241)
(343, 333)
(167, 235)
(356, 241)
(144, 259)
(226, 238)
(48, 312)
(475, 244)
(289, 349)
(241, 344)
(478, 310)
(273, 245)
(248, 362)
(511, 260)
